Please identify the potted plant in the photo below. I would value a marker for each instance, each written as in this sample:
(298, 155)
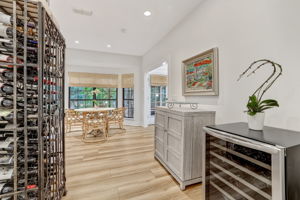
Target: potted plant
(256, 105)
(256, 114)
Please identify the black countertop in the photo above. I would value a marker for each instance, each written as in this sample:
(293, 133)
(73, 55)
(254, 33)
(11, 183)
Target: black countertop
(273, 136)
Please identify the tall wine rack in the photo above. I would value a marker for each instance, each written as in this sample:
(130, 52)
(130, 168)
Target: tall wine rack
(32, 59)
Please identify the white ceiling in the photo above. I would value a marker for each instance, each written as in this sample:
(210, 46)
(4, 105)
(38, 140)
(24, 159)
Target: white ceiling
(111, 16)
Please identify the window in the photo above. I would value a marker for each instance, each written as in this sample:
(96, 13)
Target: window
(106, 97)
(88, 97)
(158, 97)
(128, 102)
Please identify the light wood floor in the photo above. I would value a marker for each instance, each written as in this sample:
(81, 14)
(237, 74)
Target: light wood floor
(123, 168)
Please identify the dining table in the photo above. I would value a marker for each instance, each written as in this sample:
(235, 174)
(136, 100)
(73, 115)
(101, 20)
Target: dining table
(93, 109)
(84, 111)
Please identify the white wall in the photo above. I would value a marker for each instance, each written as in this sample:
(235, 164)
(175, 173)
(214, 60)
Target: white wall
(107, 63)
(243, 31)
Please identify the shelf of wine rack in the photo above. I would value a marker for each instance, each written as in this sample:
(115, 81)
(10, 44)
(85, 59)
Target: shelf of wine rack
(241, 180)
(243, 156)
(242, 168)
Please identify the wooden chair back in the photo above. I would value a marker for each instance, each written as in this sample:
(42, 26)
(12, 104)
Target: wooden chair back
(70, 118)
(94, 121)
(117, 115)
(95, 118)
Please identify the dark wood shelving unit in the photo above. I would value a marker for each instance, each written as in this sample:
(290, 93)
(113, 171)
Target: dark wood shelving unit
(33, 140)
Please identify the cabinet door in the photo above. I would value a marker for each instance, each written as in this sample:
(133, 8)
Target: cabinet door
(174, 145)
(159, 139)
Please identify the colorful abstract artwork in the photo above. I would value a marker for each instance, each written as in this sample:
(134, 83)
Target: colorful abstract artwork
(200, 74)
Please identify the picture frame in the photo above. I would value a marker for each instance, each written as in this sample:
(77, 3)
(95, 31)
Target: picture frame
(200, 74)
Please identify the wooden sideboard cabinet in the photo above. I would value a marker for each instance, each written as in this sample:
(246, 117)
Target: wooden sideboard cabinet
(178, 142)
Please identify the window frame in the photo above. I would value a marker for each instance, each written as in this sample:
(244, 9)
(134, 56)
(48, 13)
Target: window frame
(126, 99)
(94, 97)
(161, 102)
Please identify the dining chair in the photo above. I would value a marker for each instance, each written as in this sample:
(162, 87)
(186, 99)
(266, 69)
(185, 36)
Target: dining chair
(72, 118)
(95, 123)
(116, 116)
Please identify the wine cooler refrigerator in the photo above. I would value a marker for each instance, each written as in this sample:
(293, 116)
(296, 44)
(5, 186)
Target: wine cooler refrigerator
(239, 163)
(32, 56)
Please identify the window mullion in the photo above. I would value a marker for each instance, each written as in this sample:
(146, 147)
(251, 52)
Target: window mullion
(94, 96)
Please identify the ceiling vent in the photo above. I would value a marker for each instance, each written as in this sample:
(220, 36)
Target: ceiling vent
(83, 12)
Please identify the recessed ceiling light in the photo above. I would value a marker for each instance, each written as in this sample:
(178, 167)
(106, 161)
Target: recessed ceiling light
(147, 13)
(108, 46)
(77, 42)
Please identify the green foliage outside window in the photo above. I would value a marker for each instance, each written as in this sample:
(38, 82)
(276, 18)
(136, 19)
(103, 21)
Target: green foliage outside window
(88, 97)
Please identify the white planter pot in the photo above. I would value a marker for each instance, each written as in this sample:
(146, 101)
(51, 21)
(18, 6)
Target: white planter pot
(256, 122)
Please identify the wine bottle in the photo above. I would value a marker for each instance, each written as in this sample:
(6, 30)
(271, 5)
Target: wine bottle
(32, 149)
(6, 188)
(9, 59)
(21, 159)
(5, 58)
(6, 102)
(8, 44)
(31, 52)
(10, 117)
(30, 141)
(8, 148)
(7, 19)
(31, 58)
(29, 172)
(3, 124)
(6, 66)
(32, 111)
(7, 74)
(30, 31)
(31, 43)
(20, 119)
(7, 32)
(6, 88)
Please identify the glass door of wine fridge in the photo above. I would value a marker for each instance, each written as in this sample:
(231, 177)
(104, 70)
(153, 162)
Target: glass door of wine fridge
(237, 168)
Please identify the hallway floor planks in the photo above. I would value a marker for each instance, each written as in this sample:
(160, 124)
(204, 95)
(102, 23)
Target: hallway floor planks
(123, 168)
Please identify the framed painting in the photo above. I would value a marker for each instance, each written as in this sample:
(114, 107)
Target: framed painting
(200, 74)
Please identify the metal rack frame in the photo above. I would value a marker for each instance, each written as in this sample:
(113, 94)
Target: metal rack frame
(53, 69)
(50, 129)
